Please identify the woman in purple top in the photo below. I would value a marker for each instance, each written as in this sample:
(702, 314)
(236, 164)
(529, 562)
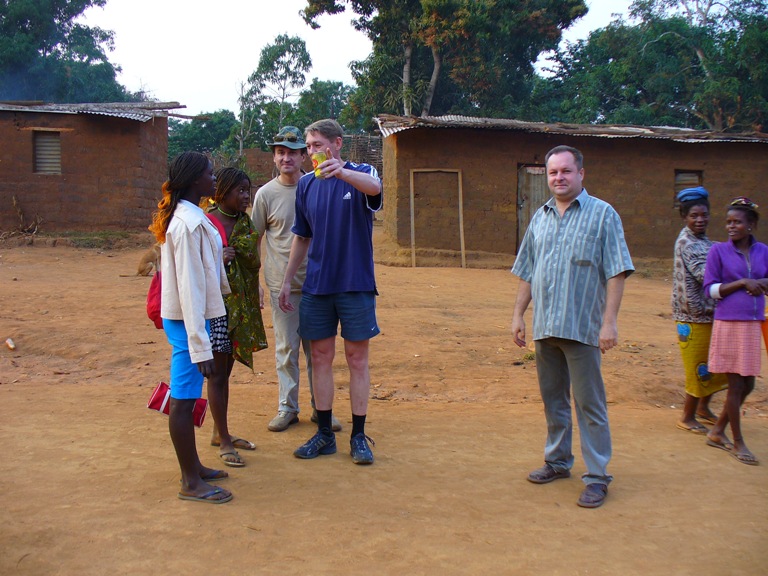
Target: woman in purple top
(736, 277)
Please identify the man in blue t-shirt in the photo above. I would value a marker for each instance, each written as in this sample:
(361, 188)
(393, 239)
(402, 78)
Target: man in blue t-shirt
(333, 228)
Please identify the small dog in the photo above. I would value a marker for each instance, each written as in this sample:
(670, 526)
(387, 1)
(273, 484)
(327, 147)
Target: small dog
(149, 261)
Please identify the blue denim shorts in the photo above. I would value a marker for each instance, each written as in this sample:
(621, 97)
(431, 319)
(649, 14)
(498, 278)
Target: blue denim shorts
(319, 316)
(186, 380)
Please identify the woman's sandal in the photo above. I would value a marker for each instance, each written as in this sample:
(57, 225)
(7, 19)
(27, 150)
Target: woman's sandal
(232, 459)
(745, 458)
(237, 442)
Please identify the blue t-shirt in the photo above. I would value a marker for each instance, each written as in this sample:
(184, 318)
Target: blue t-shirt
(338, 219)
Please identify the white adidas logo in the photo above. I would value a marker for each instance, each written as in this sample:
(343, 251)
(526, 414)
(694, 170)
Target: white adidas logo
(347, 196)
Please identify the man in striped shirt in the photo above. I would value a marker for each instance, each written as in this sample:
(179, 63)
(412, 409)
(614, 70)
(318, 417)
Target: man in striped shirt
(572, 264)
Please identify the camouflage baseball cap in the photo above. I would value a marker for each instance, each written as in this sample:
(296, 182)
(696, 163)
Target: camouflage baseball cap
(290, 137)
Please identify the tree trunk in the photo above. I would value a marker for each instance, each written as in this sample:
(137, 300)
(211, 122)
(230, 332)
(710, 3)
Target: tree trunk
(407, 80)
(438, 61)
(241, 136)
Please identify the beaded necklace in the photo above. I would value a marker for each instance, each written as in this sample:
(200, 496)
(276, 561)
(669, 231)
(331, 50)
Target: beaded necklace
(225, 214)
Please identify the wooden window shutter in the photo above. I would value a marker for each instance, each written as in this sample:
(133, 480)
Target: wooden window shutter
(47, 152)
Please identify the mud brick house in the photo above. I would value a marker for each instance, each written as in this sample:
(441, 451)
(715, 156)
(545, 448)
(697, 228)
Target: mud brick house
(466, 185)
(75, 167)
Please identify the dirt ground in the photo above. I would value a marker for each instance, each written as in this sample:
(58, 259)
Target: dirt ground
(90, 478)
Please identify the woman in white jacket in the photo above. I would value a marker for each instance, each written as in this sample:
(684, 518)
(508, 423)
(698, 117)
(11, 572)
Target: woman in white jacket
(193, 281)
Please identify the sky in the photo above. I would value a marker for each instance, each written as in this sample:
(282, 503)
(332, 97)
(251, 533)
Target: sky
(198, 52)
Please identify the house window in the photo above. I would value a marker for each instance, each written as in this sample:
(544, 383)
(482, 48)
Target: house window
(686, 179)
(47, 152)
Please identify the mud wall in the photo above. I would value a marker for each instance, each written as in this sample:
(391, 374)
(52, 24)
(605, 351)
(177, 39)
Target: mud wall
(112, 170)
(636, 176)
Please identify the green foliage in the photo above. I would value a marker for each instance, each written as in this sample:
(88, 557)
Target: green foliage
(684, 64)
(379, 87)
(282, 65)
(489, 47)
(205, 133)
(723, 14)
(323, 99)
(275, 96)
(46, 55)
(450, 56)
(265, 104)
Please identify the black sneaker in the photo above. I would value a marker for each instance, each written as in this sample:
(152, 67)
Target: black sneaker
(319, 444)
(361, 453)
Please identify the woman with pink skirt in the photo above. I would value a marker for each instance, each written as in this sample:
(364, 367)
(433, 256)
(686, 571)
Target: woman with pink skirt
(736, 276)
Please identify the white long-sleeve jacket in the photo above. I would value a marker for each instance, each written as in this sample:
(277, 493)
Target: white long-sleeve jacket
(193, 276)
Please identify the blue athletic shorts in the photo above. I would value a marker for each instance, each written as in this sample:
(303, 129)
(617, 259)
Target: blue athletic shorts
(186, 380)
(319, 316)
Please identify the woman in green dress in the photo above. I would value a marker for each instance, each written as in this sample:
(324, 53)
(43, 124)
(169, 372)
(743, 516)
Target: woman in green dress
(241, 332)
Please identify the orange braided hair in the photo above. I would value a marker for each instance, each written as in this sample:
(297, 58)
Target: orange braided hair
(162, 217)
(182, 173)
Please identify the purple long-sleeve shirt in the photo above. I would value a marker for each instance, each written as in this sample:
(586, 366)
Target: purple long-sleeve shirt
(725, 264)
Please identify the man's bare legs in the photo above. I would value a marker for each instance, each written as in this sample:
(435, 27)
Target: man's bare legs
(359, 375)
(323, 352)
(356, 353)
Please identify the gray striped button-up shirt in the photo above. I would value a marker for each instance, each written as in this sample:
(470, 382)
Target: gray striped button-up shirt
(568, 261)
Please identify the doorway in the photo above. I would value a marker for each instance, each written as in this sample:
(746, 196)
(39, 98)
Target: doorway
(532, 193)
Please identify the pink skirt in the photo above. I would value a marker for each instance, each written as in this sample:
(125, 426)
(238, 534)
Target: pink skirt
(735, 348)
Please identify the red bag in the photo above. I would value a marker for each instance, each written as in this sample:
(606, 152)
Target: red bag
(161, 400)
(153, 300)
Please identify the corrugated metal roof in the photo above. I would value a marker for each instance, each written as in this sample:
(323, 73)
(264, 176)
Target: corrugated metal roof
(389, 124)
(139, 111)
(140, 116)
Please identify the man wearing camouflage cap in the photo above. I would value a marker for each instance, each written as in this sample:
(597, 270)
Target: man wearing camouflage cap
(272, 214)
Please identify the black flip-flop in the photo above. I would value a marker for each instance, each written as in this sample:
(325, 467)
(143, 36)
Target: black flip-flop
(207, 497)
(740, 457)
(216, 475)
(708, 419)
(695, 429)
(727, 445)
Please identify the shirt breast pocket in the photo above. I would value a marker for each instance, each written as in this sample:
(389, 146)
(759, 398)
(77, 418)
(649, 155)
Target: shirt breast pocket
(585, 250)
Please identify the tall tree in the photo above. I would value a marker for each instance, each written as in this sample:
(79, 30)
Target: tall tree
(266, 104)
(379, 86)
(725, 39)
(281, 72)
(391, 27)
(685, 63)
(248, 122)
(46, 55)
(478, 50)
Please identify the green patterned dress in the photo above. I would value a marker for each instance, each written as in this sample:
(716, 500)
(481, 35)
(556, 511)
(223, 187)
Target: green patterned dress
(246, 326)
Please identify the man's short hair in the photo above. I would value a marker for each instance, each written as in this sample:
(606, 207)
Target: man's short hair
(329, 128)
(577, 155)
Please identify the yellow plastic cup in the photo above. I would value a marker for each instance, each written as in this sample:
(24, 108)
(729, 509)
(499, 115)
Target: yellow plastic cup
(317, 159)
